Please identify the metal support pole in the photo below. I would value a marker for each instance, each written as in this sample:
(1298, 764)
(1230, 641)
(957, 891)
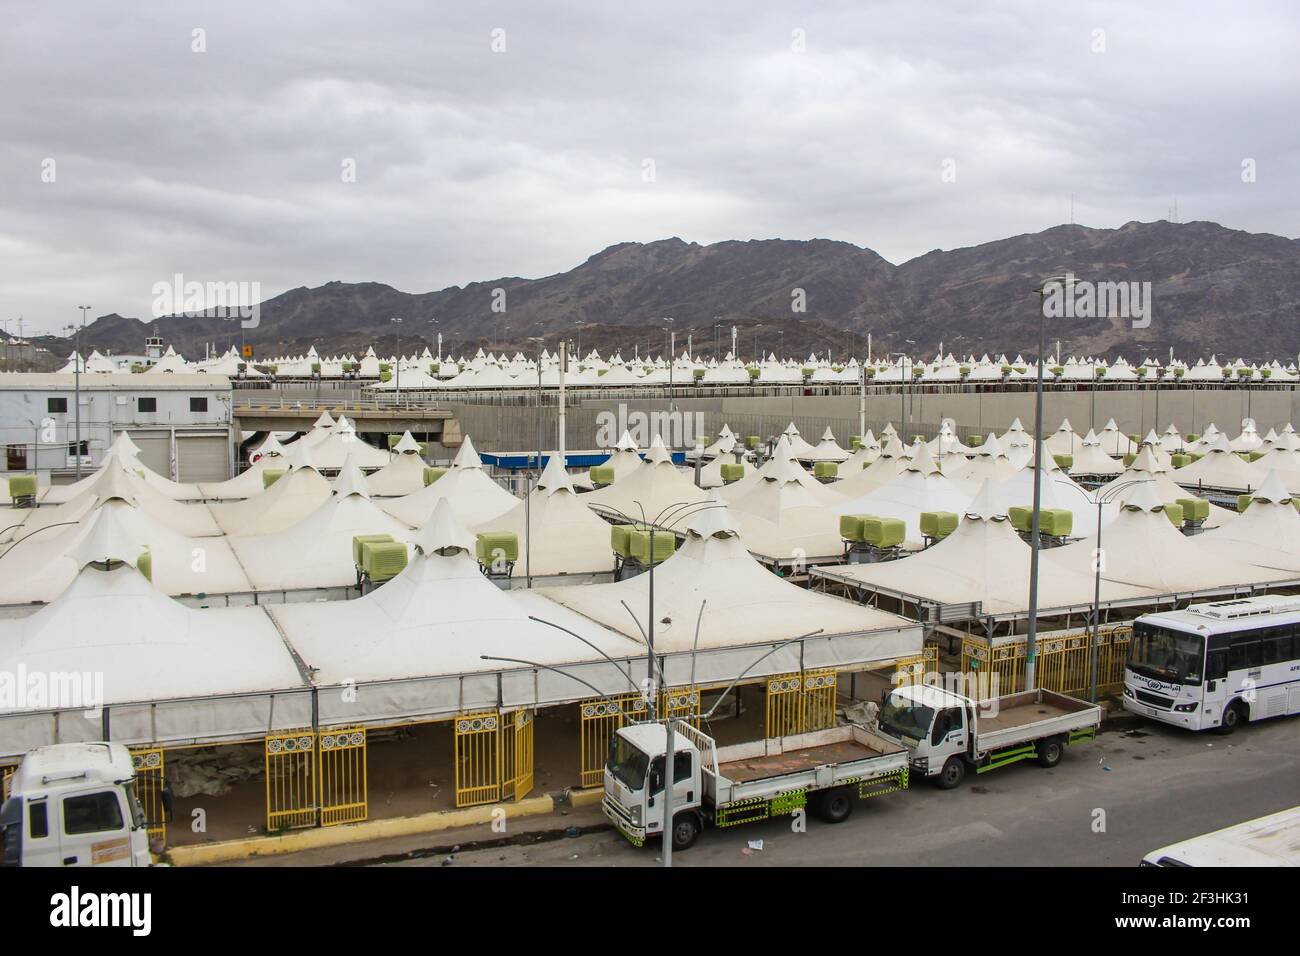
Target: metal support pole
(1031, 643)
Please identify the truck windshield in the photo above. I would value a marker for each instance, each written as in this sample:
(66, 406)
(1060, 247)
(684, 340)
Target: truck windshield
(627, 764)
(902, 717)
(1166, 655)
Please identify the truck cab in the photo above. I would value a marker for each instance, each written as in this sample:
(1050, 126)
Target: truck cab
(634, 784)
(934, 724)
(74, 805)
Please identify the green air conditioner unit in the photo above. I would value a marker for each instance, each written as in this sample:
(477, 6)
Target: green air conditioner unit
(22, 486)
(1135, 439)
(144, 564)
(433, 474)
(825, 469)
(752, 442)
(855, 442)
(393, 440)
(753, 374)
(1021, 518)
(975, 441)
(1175, 514)
(639, 545)
(732, 471)
(1194, 509)
(362, 539)
(851, 527)
(602, 475)
(938, 524)
(1243, 502)
(1129, 459)
(1056, 522)
(884, 532)
(271, 475)
(382, 560)
(1255, 456)
(1063, 461)
(492, 546)
(1193, 437)
(697, 374)
(619, 539)
(1180, 461)
(385, 375)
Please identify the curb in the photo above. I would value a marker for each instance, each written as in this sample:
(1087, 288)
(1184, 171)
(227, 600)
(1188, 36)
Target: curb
(206, 854)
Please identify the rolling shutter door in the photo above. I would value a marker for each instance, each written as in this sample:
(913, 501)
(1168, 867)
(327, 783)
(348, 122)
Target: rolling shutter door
(155, 450)
(203, 457)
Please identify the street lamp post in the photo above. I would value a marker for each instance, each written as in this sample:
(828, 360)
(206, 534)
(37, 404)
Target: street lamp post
(77, 387)
(397, 396)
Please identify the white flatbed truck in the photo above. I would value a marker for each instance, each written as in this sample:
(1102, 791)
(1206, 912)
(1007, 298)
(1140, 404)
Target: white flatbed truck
(75, 804)
(742, 783)
(948, 734)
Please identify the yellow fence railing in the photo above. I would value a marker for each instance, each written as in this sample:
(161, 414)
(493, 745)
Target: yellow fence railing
(342, 775)
(800, 703)
(150, 778)
(601, 717)
(493, 757)
(1064, 661)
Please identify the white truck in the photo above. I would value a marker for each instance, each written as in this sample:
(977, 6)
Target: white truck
(75, 805)
(744, 782)
(946, 733)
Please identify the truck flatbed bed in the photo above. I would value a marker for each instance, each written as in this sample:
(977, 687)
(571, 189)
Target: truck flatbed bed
(754, 768)
(1019, 715)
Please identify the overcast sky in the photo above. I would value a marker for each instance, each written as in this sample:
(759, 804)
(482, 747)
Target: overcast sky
(605, 122)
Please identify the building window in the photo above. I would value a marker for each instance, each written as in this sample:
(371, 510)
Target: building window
(85, 448)
(198, 404)
(147, 404)
(56, 405)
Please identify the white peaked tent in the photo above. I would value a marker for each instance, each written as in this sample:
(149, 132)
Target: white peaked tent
(864, 456)
(420, 640)
(884, 468)
(156, 656)
(567, 537)
(272, 457)
(474, 496)
(741, 610)
(828, 449)
(726, 441)
(169, 363)
(120, 481)
(1114, 442)
(41, 568)
(1171, 442)
(1148, 467)
(989, 463)
(1220, 468)
(918, 488)
(1018, 444)
(782, 456)
(404, 475)
(1249, 439)
(711, 474)
(625, 459)
(1266, 534)
(653, 488)
(124, 453)
(1283, 458)
(800, 449)
(783, 521)
(295, 495)
(1063, 441)
(1089, 459)
(1060, 491)
(341, 442)
(984, 560)
(1142, 547)
(316, 552)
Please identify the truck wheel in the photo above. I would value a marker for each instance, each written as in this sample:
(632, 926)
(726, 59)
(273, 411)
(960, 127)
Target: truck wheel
(836, 805)
(1050, 751)
(952, 774)
(1231, 718)
(686, 827)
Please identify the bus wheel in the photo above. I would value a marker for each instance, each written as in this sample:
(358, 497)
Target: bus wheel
(1231, 718)
(836, 805)
(685, 829)
(1050, 752)
(953, 772)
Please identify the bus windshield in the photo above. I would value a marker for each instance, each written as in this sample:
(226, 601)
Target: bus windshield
(1171, 656)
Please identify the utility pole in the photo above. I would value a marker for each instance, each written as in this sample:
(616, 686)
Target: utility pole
(77, 386)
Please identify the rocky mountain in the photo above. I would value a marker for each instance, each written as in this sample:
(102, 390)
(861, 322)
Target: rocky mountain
(1214, 290)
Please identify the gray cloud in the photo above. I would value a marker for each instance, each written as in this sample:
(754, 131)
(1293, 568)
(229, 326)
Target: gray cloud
(225, 165)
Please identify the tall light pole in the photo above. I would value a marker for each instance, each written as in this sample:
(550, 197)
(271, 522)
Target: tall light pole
(77, 386)
(672, 349)
(758, 359)
(397, 322)
(1035, 540)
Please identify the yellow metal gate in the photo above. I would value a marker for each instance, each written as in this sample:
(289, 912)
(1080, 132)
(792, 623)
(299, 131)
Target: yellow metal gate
(342, 775)
(290, 780)
(517, 755)
(478, 759)
(6, 773)
(912, 670)
(800, 703)
(149, 782)
(1064, 661)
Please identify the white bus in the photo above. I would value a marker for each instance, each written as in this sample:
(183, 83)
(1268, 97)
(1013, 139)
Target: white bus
(1273, 840)
(1216, 665)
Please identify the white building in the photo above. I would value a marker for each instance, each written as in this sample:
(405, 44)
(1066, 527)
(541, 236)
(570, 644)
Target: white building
(181, 423)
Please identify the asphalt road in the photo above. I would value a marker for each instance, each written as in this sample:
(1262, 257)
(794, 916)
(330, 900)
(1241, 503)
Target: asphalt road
(1154, 785)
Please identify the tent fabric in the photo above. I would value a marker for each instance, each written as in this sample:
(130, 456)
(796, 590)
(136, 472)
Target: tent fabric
(743, 604)
(42, 568)
(474, 496)
(625, 459)
(782, 519)
(984, 560)
(292, 498)
(654, 489)
(918, 488)
(1146, 467)
(1266, 534)
(1220, 468)
(404, 475)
